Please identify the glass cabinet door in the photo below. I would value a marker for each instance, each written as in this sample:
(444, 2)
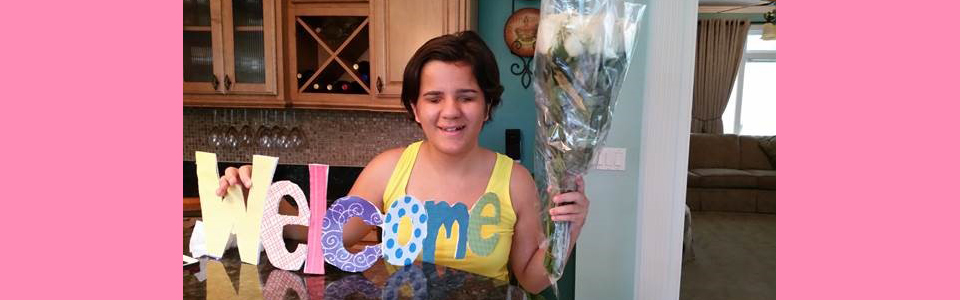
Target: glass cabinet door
(249, 46)
(202, 60)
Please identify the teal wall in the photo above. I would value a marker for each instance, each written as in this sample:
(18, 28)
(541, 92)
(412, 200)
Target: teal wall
(517, 109)
(608, 242)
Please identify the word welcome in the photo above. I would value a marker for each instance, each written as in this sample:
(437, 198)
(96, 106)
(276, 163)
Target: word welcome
(259, 221)
(279, 282)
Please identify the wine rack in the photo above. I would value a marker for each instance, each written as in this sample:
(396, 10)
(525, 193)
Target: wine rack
(329, 65)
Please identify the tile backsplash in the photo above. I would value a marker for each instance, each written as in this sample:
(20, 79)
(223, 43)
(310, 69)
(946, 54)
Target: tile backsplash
(333, 137)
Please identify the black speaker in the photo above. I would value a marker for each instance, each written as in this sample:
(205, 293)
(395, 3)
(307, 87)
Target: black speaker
(514, 142)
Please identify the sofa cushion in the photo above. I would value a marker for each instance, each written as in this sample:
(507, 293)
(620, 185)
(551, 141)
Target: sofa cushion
(769, 146)
(751, 155)
(766, 179)
(724, 178)
(714, 151)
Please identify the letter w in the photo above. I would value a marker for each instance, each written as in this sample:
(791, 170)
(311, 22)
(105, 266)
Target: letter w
(226, 215)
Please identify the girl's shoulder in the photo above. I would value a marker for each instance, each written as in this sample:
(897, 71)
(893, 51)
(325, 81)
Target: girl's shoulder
(373, 179)
(386, 160)
(520, 177)
(523, 190)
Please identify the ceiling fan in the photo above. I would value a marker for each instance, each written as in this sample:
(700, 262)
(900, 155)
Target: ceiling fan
(767, 7)
(736, 6)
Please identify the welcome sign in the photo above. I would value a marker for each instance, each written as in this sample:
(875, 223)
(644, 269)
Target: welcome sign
(258, 222)
(420, 282)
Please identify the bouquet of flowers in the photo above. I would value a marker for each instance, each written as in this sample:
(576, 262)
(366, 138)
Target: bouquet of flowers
(583, 52)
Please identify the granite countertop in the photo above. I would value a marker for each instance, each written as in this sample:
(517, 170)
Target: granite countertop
(228, 278)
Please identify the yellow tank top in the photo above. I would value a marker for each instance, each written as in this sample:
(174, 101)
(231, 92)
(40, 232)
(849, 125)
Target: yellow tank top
(475, 240)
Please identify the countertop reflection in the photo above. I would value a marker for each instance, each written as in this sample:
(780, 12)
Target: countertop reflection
(228, 278)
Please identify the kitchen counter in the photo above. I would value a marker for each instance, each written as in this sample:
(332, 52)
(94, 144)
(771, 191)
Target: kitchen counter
(229, 278)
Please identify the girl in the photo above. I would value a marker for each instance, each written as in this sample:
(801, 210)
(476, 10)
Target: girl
(451, 87)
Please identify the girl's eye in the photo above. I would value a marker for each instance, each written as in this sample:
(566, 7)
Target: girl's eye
(466, 99)
(433, 100)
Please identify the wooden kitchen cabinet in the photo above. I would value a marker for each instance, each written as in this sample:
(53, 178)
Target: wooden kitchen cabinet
(402, 26)
(384, 34)
(231, 53)
(330, 57)
(276, 53)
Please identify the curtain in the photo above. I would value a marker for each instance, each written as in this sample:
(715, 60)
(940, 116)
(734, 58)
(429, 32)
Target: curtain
(720, 44)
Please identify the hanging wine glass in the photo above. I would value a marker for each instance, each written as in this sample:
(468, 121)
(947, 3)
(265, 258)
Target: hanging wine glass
(296, 136)
(277, 132)
(263, 134)
(285, 139)
(232, 134)
(214, 135)
(246, 133)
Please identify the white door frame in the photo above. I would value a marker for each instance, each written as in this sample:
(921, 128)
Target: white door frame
(665, 139)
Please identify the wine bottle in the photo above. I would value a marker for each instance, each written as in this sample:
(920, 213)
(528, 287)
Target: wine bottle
(356, 88)
(203, 19)
(333, 34)
(336, 87)
(351, 87)
(316, 87)
(363, 70)
(189, 13)
(302, 76)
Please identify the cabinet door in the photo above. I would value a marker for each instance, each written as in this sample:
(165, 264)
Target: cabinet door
(249, 47)
(202, 53)
(402, 26)
(330, 57)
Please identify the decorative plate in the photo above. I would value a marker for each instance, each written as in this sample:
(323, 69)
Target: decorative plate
(520, 31)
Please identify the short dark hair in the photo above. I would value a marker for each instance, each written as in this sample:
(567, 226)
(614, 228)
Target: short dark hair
(464, 46)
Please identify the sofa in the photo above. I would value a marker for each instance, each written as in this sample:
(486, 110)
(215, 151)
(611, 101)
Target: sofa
(732, 173)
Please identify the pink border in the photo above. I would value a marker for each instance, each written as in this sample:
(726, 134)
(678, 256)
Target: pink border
(92, 140)
(866, 199)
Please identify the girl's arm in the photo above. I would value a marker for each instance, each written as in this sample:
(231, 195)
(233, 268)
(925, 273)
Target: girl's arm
(370, 186)
(529, 244)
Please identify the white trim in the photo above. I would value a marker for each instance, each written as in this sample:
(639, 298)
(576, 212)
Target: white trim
(664, 141)
(736, 103)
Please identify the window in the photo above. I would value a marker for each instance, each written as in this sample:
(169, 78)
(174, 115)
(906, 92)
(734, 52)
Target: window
(752, 109)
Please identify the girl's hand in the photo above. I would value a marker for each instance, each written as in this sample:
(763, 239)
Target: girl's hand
(234, 176)
(572, 207)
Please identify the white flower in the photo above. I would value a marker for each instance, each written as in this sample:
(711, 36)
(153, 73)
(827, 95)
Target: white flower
(549, 30)
(600, 33)
(575, 33)
(593, 34)
(615, 42)
(573, 45)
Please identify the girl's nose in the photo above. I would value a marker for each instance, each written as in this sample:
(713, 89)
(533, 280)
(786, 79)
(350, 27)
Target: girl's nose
(450, 109)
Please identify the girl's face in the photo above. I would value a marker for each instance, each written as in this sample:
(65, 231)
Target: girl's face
(450, 108)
